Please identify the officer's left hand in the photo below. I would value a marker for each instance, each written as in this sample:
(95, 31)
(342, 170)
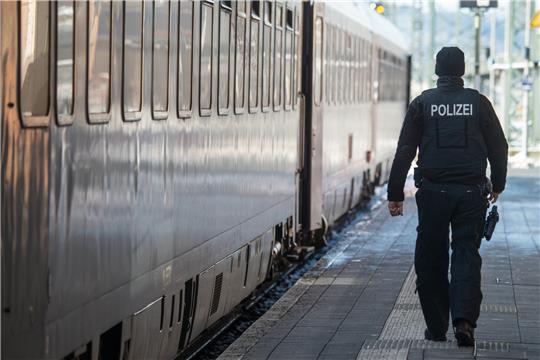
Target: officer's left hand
(395, 208)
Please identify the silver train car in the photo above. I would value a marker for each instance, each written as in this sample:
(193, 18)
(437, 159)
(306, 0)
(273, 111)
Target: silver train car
(159, 157)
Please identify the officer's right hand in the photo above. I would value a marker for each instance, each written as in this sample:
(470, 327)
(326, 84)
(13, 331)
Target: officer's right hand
(395, 208)
(493, 196)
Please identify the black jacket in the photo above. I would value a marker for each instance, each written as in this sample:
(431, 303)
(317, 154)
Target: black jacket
(412, 135)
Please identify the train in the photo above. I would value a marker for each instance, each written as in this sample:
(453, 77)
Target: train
(159, 157)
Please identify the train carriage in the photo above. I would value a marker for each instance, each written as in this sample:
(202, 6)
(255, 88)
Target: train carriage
(158, 156)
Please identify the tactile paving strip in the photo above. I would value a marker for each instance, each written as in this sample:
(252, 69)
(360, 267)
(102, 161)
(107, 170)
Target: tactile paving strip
(404, 329)
(406, 320)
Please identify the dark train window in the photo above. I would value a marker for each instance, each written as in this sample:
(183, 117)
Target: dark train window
(255, 9)
(254, 57)
(99, 58)
(289, 36)
(318, 53)
(160, 61)
(34, 55)
(266, 56)
(278, 60)
(185, 58)
(133, 56)
(268, 12)
(205, 77)
(64, 60)
(240, 57)
(224, 57)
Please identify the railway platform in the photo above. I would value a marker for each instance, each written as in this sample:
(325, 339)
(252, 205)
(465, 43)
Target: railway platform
(358, 302)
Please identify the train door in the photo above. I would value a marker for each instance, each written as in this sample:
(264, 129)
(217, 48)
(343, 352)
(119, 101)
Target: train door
(312, 88)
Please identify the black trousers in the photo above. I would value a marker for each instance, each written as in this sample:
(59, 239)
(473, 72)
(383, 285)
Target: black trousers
(463, 208)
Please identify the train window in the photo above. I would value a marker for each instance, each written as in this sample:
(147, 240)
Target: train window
(268, 12)
(160, 60)
(297, 65)
(318, 52)
(289, 34)
(34, 54)
(358, 70)
(363, 66)
(205, 76)
(64, 60)
(254, 57)
(255, 9)
(133, 57)
(99, 59)
(354, 68)
(327, 85)
(349, 68)
(224, 57)
(341, 66)
(240, 58)
(266, 56)
(333, 68)
(365, 70)
(369, 72)
(185, 58)
(278, 43)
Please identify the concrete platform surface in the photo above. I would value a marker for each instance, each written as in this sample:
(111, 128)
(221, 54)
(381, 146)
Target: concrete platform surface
(358, 302)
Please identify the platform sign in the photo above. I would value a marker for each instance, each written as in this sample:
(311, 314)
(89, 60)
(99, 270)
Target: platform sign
(478, 3)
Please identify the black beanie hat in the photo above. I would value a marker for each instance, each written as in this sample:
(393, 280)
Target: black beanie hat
(450, 62)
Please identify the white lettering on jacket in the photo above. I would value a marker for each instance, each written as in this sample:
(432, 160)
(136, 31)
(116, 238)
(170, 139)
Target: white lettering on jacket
(452, 109)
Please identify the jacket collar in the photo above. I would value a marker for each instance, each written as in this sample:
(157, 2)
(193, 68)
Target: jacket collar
(450, 82)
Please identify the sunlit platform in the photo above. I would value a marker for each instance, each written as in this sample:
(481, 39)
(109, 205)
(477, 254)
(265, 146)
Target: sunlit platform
(358, 302)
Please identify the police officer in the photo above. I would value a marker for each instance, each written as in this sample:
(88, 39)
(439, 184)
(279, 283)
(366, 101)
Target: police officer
(456, 131)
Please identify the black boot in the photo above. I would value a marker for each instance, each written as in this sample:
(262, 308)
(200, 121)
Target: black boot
(429, 336)
(464, 333)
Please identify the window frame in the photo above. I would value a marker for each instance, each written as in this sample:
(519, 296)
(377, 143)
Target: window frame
(33, 120)
(206, 111)
(318, 77)
(224, 8)
(183, 113)
(267, 22)
(132, 115)
(105, 117)
(64, 119)
(254, 19)
(289, 31)
(161, 114)
(239, 108)
(297, 58)
(277, 84)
